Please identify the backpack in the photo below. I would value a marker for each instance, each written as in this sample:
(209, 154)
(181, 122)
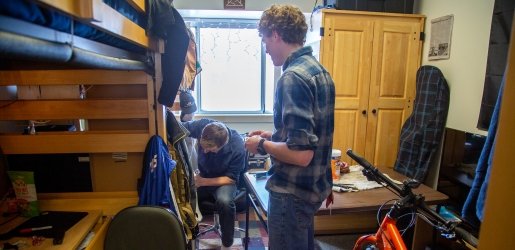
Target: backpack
(182, 190)
(182, 177)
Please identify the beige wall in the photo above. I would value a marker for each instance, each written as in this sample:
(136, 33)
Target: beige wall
(465, 70)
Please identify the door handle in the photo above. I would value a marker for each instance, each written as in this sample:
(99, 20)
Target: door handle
(364, 112)
(374, 111)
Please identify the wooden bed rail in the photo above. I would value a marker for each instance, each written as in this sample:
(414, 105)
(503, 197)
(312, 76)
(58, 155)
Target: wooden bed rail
(102, 16)
(120, 110)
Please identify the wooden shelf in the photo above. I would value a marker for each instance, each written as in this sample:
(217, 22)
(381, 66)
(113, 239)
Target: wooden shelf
(75, 142)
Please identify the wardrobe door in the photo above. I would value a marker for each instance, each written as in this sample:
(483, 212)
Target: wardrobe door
(395, 60)
(346, 53)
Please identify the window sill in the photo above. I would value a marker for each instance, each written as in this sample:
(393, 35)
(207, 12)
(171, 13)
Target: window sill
(230, 118)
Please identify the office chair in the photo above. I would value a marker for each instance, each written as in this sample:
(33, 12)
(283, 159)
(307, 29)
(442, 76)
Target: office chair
(145, 227)
(211, 207)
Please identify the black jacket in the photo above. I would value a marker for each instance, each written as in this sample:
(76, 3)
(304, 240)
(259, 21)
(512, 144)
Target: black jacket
(165, 22)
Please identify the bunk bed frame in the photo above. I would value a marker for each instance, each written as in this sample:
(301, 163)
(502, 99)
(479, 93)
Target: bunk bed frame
(120, 106)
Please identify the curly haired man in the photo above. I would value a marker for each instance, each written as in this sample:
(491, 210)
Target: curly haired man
(300, 146)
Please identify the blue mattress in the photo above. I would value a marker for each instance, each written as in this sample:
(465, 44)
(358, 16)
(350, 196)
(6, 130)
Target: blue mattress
(33, 13)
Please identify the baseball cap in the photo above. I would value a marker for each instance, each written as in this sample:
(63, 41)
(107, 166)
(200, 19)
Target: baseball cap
(187, 102)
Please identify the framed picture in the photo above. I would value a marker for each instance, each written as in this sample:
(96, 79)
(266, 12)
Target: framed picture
(440, 43)
(234, 4)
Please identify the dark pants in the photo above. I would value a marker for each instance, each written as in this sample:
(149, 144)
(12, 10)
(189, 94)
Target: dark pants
(290, 222)
(223, 197)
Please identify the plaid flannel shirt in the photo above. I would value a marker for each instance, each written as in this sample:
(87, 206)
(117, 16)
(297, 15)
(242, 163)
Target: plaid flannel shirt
(304, 119)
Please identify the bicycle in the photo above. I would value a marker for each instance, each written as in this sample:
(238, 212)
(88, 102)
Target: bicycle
(388, 235)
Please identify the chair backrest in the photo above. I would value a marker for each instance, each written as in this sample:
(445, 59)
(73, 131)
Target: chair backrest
(145, 227)
(240, 199)
(241, 181)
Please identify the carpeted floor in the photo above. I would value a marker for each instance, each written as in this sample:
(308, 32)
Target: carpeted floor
(259, 237)
(257, 234)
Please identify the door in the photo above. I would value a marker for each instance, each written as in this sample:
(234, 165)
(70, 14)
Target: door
(346, 53)
(395, 60)
(373, 61)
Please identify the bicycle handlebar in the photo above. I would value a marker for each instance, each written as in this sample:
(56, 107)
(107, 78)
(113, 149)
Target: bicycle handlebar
(404, 191)
(466, 236)
(376, 174)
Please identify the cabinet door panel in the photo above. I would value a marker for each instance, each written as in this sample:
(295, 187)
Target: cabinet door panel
(383, 132)
(347, 48)
(349, 131)
(392, 86)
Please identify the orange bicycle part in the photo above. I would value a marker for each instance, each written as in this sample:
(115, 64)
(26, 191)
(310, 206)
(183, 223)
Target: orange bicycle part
(387, 237)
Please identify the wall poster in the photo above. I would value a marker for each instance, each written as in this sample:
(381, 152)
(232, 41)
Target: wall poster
(234, 4)
(440, 44)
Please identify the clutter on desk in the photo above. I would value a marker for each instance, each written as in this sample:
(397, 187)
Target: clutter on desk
(338, 167)
(261, 174)
(336, 156)
(355, 181)
(345, 188)
(25, 190)
(49, 224)
(20, 244)
(258, 162)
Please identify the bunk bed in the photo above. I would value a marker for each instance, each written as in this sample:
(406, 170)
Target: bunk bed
(89, 68)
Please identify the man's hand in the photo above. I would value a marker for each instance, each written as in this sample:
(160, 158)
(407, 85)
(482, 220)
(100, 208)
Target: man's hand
(251, 144)
(199, 181)
(264, 134)
(216, 181)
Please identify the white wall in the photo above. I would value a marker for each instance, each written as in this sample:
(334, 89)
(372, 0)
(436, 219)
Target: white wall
(464, 71)
(466, 67)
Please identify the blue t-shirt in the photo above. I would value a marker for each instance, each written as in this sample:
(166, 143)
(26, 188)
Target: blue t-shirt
(228, 161)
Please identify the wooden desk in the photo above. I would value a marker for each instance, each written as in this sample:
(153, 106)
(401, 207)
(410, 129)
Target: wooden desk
(101, 206)
(72, 238)
(351, 212)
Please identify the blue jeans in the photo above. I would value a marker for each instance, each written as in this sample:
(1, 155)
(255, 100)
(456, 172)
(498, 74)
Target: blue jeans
(225, 207)
(290, 222)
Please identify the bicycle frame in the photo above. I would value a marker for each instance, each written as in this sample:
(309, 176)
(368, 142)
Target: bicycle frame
(387, 237)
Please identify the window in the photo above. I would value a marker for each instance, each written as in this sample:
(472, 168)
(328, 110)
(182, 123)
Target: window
(237, 76)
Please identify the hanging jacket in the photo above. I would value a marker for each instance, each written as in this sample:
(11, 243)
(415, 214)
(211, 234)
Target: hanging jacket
(156, 171)
(192, 67)
(422, 132)
(473, 207)
(165, 22)
(173, 60)
(160, 16)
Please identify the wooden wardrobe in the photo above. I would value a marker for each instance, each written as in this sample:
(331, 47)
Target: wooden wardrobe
(373, 58)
